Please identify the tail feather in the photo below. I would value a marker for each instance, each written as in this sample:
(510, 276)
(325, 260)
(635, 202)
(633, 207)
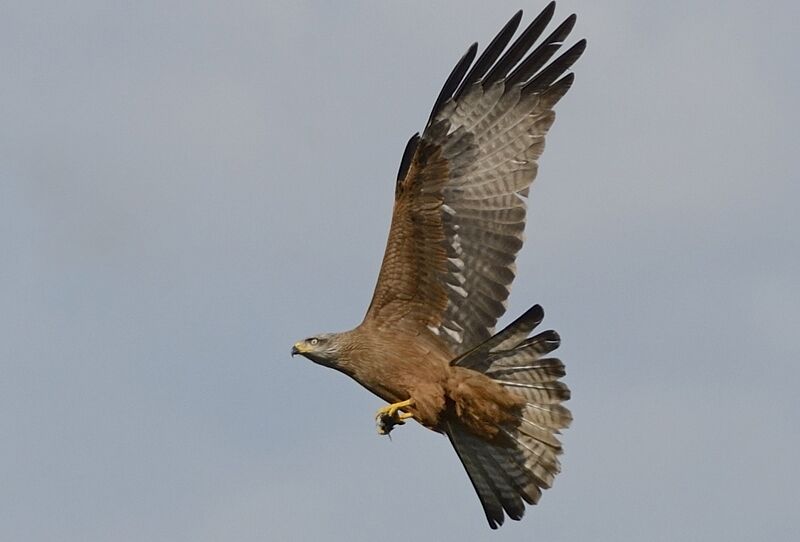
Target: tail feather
(466, 451)
(523, 481)
(540, 459)
(543, 434)
(527, 370)
(543, 343)
(506, 339)
(514, 468)
(554, 416)
(544, 394)
(486, 466)
(502, 484)
(517, 332)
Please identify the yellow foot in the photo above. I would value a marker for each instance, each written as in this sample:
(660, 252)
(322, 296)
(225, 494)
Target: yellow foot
(390, 415)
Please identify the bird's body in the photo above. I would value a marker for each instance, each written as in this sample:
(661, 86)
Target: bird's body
(419, 369)
(427, 344)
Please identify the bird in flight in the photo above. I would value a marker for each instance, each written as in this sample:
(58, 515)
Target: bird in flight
(427, 344)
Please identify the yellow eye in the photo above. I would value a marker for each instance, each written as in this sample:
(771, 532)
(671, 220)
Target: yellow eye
(313, 342)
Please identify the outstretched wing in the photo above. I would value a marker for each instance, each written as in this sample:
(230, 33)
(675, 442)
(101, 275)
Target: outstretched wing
(459, 211)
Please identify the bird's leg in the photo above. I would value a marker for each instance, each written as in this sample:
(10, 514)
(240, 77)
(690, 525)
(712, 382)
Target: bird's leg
(390, 415)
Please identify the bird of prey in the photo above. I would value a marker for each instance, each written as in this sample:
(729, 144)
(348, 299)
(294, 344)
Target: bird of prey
(427, 344)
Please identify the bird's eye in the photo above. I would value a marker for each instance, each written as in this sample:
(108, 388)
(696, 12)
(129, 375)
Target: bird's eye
(313, 342)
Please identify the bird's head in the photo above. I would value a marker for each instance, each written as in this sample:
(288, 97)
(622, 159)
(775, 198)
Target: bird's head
(323, 349)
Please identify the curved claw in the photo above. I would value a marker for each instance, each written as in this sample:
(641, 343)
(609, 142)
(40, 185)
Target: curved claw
(390, 416)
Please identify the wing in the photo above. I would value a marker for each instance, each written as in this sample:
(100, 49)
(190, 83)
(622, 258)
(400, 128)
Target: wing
(459, 210)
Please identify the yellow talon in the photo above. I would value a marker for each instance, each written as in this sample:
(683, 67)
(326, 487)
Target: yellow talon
(391, 410)
(390, 415)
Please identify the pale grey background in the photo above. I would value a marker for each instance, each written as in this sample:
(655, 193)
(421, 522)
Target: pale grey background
(186, 189)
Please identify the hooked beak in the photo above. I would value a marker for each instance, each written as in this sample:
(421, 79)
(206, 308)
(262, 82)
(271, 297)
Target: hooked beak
(297, 349)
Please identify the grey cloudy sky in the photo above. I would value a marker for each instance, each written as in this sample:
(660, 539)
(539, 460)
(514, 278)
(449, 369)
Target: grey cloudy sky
(186, 189)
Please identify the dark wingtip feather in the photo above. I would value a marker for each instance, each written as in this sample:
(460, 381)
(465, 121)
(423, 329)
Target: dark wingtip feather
(534, 313)
(568, 24)
(521, 45)
(551, 336)
(546, 77)
(489, 69)
(539, 56)
(557, 90)
(408, 154)
(490, 54)
(566, 27)
(453, 80)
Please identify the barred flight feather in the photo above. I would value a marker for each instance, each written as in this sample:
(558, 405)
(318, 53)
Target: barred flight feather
(553, 392)
(543, 370)
(556, 416)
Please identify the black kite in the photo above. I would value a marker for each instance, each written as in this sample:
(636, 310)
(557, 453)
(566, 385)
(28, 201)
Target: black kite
(427, 343)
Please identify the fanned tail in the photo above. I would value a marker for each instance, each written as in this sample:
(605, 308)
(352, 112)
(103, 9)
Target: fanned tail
(513, 468)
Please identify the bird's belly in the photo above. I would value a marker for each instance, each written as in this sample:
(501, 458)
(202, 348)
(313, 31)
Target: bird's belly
(398, 379)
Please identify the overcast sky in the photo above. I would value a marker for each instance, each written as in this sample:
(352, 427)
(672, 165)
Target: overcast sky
(185, 190)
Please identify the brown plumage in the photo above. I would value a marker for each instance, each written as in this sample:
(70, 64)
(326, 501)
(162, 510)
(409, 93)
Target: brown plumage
(426, 344)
